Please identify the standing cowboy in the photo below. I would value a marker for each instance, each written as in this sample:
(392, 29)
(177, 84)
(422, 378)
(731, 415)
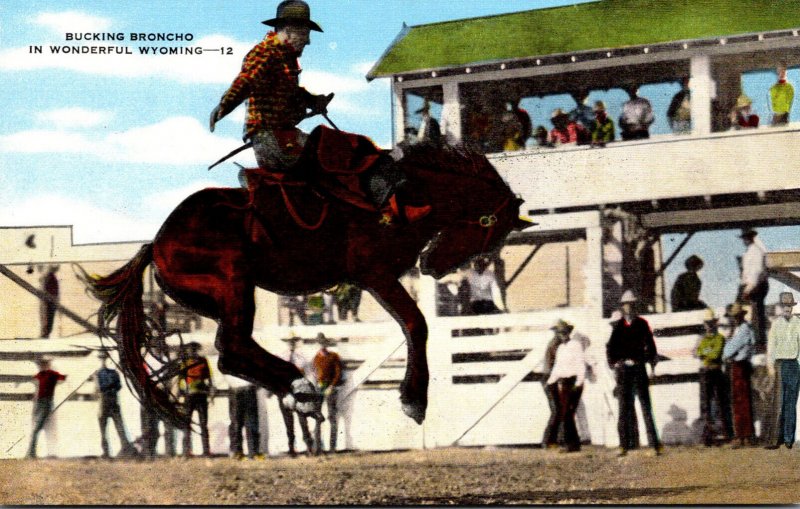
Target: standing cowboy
(269, 82)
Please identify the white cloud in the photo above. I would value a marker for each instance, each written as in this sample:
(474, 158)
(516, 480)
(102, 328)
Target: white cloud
(71, 21)
(175, 140)
(91, 223)
(75, 117)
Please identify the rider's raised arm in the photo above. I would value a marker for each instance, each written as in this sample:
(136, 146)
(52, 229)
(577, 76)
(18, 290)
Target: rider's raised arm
(255, 65)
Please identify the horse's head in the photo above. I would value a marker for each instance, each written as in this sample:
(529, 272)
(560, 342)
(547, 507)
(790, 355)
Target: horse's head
(476, 209)
(481, 231)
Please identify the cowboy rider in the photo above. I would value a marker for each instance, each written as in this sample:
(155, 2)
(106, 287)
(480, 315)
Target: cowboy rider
(269, 81)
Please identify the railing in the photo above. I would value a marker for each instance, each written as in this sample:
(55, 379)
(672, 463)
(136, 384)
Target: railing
(661, 167)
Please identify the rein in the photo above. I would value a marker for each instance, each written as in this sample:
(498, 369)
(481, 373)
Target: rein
(276, 179)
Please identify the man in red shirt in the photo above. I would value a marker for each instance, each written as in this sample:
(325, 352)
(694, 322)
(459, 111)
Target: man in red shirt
(328, 372)
(46, 380)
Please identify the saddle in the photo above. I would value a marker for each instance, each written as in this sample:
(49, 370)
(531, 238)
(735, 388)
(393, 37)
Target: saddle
(332, 167)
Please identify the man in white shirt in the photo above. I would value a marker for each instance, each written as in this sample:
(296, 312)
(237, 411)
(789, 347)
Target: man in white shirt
(754, 285)
(569, 372)
(293, 356)
(783, 350)
(484, 292)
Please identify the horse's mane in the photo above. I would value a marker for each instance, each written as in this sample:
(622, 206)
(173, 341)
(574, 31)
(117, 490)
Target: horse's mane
(452, 159)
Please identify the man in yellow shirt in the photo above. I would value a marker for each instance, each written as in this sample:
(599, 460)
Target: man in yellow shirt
(781, 95)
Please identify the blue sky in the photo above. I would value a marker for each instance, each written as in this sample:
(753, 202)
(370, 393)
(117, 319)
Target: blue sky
(111, 144)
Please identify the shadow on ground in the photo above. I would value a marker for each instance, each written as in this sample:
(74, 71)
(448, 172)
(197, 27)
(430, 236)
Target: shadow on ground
(582, 496)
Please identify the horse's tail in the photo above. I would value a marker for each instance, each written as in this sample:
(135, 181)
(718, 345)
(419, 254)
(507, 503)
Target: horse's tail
(121, 297)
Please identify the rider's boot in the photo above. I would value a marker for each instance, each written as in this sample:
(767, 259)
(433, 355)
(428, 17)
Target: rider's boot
(395, 212)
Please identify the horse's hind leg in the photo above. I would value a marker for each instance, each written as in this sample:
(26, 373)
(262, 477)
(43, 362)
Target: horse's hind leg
(232, 305)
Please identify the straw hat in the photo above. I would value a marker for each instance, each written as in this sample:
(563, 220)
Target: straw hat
(743, 102)
(735, 309)
(787, 299)
(558, 112)
(627, 297)
(710, 316)
(562, 326)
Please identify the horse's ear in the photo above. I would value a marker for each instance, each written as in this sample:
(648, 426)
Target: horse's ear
(523, 222)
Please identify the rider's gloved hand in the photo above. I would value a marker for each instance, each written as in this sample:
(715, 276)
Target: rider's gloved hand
(214, 117)
(321, 103)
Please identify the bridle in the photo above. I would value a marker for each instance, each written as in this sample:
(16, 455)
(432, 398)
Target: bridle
(487, 221)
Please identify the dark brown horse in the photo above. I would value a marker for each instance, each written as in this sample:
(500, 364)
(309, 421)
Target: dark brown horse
(213, 251)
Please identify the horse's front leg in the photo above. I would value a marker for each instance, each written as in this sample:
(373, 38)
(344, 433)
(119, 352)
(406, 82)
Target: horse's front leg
(414, 389)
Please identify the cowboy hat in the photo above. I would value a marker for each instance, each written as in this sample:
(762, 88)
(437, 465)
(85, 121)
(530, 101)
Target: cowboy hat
(562, 326)
(293, 338)
(748, 233)
(103, 354)
(694, 262)
(743, 102)
(192, 345)
(599, 106)
(787, 299)
(558, 112)
(295, 12)
(735, 309)
(324, 340)
(627, 297)
(710, 316)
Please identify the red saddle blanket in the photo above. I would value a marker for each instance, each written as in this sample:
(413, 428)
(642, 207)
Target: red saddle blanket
(331, 160)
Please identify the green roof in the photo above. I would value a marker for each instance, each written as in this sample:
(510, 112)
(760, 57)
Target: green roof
(605, 24)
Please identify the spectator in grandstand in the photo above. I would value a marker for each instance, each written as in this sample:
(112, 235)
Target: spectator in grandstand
(630, 347)
(46, 380)
(243, 413)
(48, 306)
(567, 375)
(108, 386)
(526, 126)
(540, 135)
(516, 126)
(636, 117)
(783, 351)
(679, 112)
(197, 386)
(602, 126)
(583, 114)
(429, 130)
(685, 295)
(550, 437)
(481, 285)
(754, 285)
(713, 382)
(293, 356)
(566, 130)
(742, 117)
(737, 352)
(328, 374)
(781, 96)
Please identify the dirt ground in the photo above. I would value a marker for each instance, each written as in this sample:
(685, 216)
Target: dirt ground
(462, 476)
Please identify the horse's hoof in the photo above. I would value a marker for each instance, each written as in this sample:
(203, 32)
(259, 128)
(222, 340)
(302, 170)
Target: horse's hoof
(416, 411)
